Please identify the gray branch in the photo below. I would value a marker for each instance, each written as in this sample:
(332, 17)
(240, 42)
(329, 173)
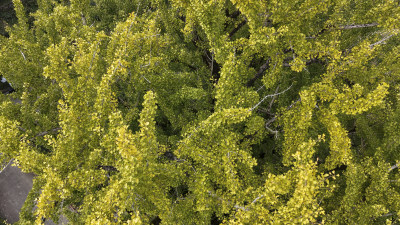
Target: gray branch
(267, 96)
(261, 71)
(394, 167)
(355, 26)
(273, 99)
(381, 41)
(46, 132)
(244, 208)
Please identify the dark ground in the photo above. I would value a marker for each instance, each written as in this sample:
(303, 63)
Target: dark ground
(14, 188)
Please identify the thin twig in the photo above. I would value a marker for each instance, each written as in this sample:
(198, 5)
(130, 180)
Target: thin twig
(273, 99)
(146, 79)
(256, 199)
(46, 132)
(260, 88)
(236, 206)
(212, 63)
(23, 55)
(248, 207)
(294, 103)
(21, 129)
(291, 47)
(94, 55)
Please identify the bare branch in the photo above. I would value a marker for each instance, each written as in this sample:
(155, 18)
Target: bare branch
(236, 206)
(394, 167)
(291, 47)
(267, 96)
(46, 132)
(388, 214)
(343, 27)
(381, 41)
(275, 132)
(273, 99)
(83, 19)
(241, 207)
(294, 103)
(21, 129)
(270, 121)
(212, 62)
(233, 32)
(260, 88)
(93, 57)
(146, 79)
(355, 26)
(107, 168)
(23, 55)
(261, 71)
(248, 207)
(73, 209)
(256, 199)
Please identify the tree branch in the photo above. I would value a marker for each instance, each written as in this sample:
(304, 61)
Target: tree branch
(343, 27)
(381, 41)
(256, 199)
(261, 71)
(83, 19)
(267, 96)
(23, 55)
(107, 168)
(273, 99)
(234, 15)
(233, 32)
(237, 206)
(388, 214)
(46, 132)
(248, 207)
(21, 129)
(309, 62)
(355, 26)
(394, 167)
(294, 103)
(270, 121)
(275, 132)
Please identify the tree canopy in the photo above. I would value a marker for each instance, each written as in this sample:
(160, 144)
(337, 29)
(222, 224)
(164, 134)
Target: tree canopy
(205, 111)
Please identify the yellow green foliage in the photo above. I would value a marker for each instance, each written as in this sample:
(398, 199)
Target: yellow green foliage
(205, 111)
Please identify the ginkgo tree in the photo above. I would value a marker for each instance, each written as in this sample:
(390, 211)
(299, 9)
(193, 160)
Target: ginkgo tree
(205, 111)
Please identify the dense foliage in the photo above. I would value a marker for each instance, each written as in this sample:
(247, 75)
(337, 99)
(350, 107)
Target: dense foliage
(205, 111)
